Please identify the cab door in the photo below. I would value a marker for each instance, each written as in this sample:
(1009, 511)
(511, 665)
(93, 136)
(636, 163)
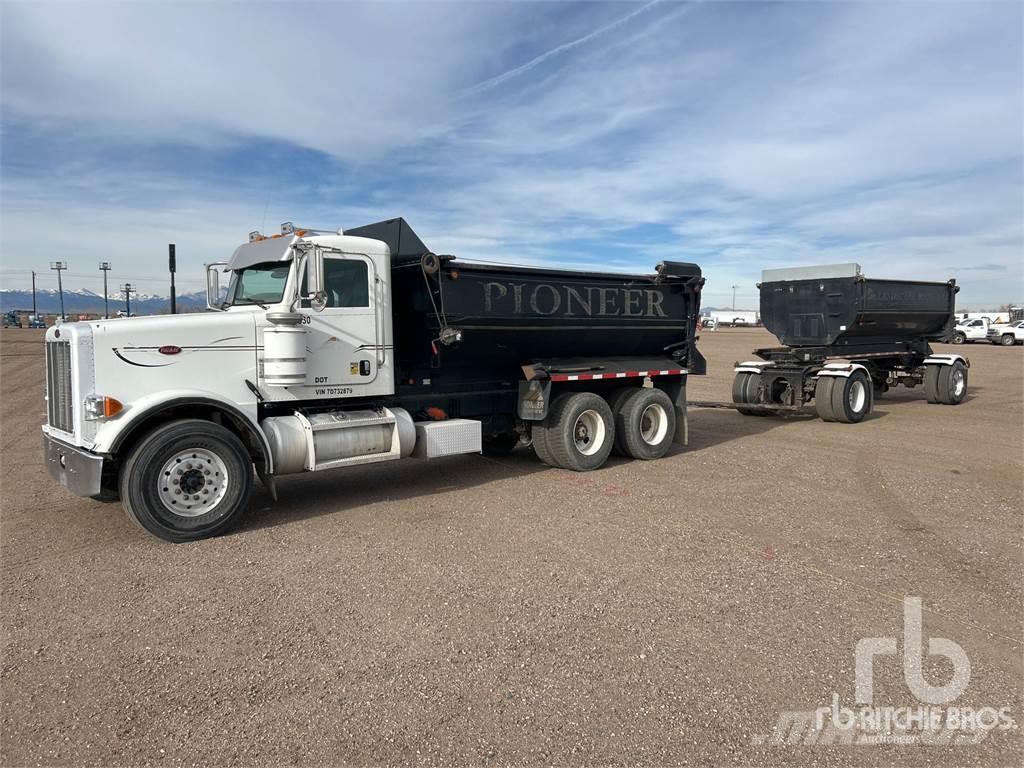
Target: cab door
(344, 348)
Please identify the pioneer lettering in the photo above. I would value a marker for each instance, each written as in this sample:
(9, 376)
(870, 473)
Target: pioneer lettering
(570, 301)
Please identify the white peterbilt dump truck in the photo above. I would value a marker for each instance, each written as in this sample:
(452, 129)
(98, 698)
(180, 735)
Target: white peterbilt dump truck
(332, 349)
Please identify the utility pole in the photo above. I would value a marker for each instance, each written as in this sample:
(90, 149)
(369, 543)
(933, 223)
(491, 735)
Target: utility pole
(34, 292)
(172, 266)
(734, 297)
(60, 266)
(127, 289)
(105, 266)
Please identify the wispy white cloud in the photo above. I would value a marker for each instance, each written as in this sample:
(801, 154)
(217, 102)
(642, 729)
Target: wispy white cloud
(742, 136)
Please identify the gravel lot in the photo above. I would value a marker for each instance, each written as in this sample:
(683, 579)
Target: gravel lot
(475, 611)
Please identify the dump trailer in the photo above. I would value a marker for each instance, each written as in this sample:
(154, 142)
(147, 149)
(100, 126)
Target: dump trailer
(846, 339)
(335, 349)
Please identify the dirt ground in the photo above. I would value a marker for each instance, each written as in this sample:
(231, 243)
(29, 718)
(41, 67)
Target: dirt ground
(491, 612)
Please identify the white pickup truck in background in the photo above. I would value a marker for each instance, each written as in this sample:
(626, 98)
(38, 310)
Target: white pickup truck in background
(1006, 334)
(975, 329)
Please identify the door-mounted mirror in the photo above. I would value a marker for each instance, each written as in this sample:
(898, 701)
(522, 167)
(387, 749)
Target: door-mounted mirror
(315, 278)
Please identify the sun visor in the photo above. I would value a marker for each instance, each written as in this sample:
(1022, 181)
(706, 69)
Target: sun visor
(262, 251)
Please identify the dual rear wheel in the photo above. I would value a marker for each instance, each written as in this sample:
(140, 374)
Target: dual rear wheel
(582, 428)
(846, 399)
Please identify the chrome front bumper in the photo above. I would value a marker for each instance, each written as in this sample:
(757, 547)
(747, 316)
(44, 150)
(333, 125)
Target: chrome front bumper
(77, 470)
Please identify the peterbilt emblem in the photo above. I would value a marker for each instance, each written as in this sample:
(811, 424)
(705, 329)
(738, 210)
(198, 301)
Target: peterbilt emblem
(571, 301)
(169, 349)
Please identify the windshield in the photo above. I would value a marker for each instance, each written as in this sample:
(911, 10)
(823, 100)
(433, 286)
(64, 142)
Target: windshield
(259, 284)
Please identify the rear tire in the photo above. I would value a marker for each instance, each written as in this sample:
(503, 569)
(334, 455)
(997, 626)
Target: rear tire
(952, 383)
(615, 401)
(646, 424)
(931, 383)
(823, 398)
(851, 397)
(579, 431)
(205, 460)
(1007, 339)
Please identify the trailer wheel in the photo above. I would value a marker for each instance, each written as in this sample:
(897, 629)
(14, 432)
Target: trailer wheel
(579, 431)
(744, 390)
(646, 423)
(823, 398)
(186, 480)
(931, 383)
(851, 397)
(952, 381)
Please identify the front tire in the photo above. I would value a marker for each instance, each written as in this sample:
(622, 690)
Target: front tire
(578, 432)
(959, 338)
(186, 480)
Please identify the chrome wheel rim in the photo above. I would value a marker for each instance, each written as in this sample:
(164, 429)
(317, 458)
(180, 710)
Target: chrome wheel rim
(193, 482)
(959, 382)
(857, 396)
(588, 432)
(653, 424)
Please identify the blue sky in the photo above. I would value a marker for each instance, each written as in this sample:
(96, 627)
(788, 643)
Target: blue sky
(738, 135)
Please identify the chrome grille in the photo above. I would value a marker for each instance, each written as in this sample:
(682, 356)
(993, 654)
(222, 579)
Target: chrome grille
(58, 386)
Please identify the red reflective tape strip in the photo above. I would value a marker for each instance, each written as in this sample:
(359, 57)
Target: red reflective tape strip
(621, 375)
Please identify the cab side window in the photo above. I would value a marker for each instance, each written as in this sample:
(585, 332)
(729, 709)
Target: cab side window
(347, 283)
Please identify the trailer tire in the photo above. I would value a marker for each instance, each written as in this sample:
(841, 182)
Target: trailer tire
(744, 390)
(221, 465)
(579, 431)
(615, 401)
(823, 398)
(851, 397)
(646, 424)
(952, 383)
(931, 383)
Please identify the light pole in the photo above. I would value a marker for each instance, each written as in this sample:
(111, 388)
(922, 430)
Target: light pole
(734, 297)
(105, 266)
(60, 266)
(173, 267)
(127, 289)
(34, 292)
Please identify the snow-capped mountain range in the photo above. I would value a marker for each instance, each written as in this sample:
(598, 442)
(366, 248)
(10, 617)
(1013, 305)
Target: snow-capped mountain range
(84, 301)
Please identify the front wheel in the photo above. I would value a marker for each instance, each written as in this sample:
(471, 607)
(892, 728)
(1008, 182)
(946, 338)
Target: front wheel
(186, 480)
(959, 338)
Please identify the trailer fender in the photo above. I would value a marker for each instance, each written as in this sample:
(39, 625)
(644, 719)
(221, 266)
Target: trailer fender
(843, 370)
(946, 360)
(751, 366)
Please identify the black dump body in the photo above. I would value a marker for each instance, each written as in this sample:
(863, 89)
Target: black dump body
(510, 316)
(846, 315)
